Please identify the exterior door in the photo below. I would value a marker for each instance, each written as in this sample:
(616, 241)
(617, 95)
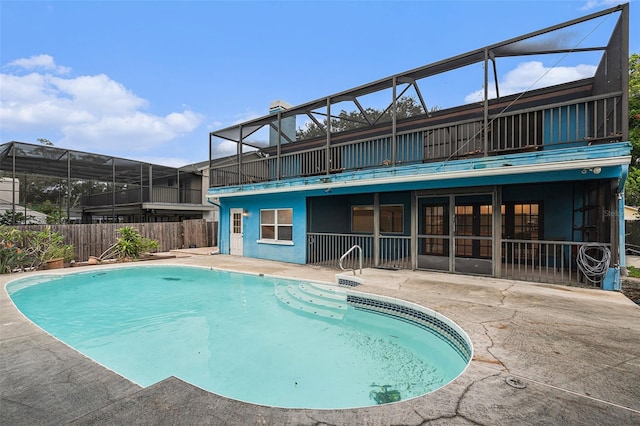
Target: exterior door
(235, 229)
(455, 233)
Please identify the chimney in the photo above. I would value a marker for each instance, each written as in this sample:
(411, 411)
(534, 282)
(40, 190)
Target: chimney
(288, 123)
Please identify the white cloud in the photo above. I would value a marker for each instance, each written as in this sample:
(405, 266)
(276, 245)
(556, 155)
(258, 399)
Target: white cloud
(92, 113)
(593, 4)
(165, 161)
(533, 75)
(44, 62)
(246, 116)
(225, 148)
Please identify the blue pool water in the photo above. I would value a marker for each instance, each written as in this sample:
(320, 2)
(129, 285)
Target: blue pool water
(247, 337)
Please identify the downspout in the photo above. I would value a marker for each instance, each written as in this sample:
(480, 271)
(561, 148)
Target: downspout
(622, 258)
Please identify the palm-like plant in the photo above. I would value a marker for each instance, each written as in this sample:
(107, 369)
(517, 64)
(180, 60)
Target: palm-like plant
(131, 244)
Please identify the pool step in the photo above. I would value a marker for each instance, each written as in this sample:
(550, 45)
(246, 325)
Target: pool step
(318, 300)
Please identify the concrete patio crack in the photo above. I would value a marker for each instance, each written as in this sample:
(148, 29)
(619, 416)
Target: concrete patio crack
(488, 348)
(460, 399)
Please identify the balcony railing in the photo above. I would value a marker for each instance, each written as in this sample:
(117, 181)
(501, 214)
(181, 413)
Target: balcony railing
(563, 124)
(160, 194)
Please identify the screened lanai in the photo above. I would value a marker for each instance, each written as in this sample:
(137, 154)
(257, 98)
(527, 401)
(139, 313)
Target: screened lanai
(88, 187)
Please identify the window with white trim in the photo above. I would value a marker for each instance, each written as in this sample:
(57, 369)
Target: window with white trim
(276, 225)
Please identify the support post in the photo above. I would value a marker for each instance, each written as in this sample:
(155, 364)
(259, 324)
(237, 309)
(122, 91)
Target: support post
(414, 231)
(239, 153)
(113, 189)
(279, 148)
(394, 110)
(376, 229)
(68, 185)
(497, 231)
(486, 103)
(327, 150)
(13, 184)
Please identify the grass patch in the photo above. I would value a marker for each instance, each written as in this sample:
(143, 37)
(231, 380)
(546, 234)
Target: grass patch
(633, 272)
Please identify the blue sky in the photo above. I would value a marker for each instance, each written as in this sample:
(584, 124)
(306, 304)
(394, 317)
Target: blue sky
(149, 80)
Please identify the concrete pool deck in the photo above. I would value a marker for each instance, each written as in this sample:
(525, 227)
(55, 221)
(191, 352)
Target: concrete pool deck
(576, 351)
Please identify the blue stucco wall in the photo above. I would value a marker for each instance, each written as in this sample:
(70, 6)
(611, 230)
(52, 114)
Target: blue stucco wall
(557, 202)
(295, 253)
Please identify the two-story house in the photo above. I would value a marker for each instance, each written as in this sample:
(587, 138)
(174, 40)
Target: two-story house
(526, 185)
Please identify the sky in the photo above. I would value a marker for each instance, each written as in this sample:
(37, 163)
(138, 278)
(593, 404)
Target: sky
(148, 80)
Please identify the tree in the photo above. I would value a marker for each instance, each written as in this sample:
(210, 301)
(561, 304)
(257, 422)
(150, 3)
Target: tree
(632, 186)
(406, 107)
(8, 217)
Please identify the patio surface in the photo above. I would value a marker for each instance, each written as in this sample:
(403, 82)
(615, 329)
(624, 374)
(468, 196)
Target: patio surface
(576, 350)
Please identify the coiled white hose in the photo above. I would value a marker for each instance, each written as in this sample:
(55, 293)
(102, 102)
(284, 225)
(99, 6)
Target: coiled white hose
(596, 264)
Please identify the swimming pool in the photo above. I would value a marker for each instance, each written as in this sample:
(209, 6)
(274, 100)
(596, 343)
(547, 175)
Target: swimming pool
(264, 340)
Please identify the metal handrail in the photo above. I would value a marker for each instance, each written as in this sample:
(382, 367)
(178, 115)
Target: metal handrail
(345, 255)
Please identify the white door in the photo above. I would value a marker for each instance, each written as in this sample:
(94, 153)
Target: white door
(235, 228)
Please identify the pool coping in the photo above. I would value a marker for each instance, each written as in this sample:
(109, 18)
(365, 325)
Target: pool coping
(576, 351)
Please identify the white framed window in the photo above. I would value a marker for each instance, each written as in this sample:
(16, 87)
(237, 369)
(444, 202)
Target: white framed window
(276, 226)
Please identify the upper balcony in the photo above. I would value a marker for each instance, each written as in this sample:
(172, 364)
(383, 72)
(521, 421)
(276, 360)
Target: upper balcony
(134, 194)
(357, 129)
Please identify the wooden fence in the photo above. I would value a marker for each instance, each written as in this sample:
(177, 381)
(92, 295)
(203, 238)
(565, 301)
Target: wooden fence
(95, 239)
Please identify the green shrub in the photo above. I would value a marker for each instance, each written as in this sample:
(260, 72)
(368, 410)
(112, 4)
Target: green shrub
(11, 258)
(31, 249)
(131, 244)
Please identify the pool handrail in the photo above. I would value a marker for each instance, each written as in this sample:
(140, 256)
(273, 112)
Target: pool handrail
(356, 246)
